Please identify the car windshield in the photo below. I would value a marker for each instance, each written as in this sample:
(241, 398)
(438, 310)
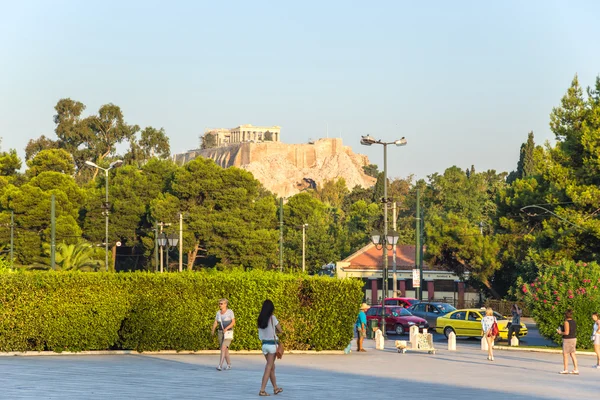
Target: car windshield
(400, 312)
(446, 308)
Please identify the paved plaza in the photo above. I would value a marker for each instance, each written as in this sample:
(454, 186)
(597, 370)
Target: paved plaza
(465, 374)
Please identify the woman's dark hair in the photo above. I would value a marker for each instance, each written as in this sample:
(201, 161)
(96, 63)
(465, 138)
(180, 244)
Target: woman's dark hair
(265, 314)
(569, 314)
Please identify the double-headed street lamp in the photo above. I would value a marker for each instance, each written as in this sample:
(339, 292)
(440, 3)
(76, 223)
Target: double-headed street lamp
(368, 141)
(168, 241)
(106, 205)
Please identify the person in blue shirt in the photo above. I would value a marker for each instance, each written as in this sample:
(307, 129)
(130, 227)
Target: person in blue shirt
(361, 327)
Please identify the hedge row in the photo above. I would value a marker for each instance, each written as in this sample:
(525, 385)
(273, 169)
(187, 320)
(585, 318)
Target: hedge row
(75, 311)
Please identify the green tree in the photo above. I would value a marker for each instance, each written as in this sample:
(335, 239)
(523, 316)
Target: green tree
(208, 141)
(57, 160)
(371, 170)
(10, 163)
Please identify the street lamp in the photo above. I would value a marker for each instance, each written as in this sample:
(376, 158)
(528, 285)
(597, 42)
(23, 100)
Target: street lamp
(304, 247)
(106, 205)
(368, 141)
(168, 241)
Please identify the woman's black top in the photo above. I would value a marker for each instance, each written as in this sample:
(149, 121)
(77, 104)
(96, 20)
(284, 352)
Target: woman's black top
(572, 330)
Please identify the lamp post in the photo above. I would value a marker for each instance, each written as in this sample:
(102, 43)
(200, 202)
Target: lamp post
(168, 241)
(106, 205)
(304, 247)
(382, 242)
(368, 141)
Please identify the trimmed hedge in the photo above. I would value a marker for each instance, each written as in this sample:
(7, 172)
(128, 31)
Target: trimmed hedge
(75, 311)
(556, 289)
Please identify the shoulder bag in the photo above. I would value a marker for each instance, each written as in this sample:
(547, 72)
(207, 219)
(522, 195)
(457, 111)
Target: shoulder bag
(280, 348)
(494, 329)
(226, 334)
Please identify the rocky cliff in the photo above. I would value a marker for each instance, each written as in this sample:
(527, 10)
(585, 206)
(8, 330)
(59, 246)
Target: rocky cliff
(286, 169)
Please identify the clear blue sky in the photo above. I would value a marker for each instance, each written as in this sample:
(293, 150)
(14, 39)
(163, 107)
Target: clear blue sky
(463, 81)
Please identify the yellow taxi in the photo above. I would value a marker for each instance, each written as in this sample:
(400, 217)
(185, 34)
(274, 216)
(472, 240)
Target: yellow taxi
(467, 322)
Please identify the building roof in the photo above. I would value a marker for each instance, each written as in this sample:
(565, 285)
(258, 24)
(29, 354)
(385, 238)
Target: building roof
(371, 258)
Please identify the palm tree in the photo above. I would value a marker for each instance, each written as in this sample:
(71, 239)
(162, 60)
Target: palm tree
(81, 256)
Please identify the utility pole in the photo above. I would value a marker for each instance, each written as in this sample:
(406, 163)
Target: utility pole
(281, 234)
(180, 242)
(418, 246)
(304, 247)
(394, 275)
(12, 239)
(385, 249)
(52, 232)
(156, 248)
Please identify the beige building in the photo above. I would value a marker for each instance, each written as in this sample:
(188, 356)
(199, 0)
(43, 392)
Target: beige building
(245, 133)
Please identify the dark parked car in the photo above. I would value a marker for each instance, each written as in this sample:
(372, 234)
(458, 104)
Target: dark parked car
(397, 319)
(431, 311)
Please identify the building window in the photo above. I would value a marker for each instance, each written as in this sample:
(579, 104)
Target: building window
(443, 286)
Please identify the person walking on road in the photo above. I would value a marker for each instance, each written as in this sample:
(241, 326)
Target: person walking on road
(224, 321)
(515, 324)
(487, 331)
(569, 335)
(268, 328)
(361, 327)
(596, 339)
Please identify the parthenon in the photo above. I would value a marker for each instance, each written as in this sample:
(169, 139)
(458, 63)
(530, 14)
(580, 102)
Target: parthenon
(245, 133)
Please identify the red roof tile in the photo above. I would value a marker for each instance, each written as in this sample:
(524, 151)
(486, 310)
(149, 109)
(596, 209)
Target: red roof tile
(369, 257)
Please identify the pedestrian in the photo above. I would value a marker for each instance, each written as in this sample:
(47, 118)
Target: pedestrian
(224, 321)
(488, 331)
(268, 328)
(596, 338)
(515, 325)
(569, 335)
(361, 327)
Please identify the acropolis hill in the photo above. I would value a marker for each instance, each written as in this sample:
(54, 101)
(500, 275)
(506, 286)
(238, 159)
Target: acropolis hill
(286, 169)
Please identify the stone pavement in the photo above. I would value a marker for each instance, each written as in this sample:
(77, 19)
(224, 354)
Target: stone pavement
(465, 374)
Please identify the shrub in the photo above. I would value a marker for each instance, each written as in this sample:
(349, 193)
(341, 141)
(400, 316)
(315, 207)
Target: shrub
(60, 311)
(559, 287)
(143, 311)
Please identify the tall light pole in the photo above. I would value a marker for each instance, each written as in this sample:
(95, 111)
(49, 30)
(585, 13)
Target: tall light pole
(368, 141)
(106, 205)
(304, 247)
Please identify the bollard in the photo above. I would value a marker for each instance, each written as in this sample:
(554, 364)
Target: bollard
(452, 341)
(414, 336)
(514, 341)
(379, 341)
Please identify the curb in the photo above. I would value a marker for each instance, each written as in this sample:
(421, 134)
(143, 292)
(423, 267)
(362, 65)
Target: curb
(159, 353)
(550, 351)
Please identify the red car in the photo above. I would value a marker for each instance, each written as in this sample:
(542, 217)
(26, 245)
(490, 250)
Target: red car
(400, 301)
(397, 319)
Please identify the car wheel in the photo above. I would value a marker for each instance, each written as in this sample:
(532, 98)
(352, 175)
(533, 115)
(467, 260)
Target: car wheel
(447, 331)
(399, 330)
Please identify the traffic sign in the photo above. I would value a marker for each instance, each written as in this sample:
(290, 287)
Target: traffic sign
(416, 278)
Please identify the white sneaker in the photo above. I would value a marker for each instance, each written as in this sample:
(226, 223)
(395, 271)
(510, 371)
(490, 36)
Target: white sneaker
(219, 368)
(227, 368)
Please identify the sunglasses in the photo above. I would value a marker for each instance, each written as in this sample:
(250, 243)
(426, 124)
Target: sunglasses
(222, 304)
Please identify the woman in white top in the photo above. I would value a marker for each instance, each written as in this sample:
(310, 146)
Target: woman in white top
(486, 326)
(268, 327)
(596, 338)
(224, 321)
